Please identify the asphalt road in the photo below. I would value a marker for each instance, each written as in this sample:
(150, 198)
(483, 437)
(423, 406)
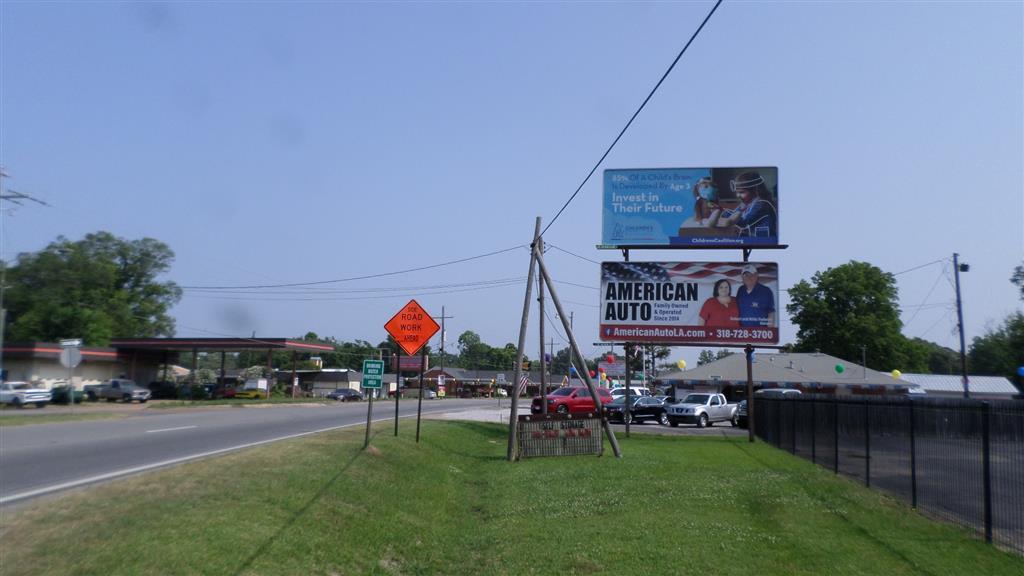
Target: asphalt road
(43, 459)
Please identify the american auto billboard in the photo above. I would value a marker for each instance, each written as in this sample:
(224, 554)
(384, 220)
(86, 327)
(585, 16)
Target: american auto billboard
(690, 302)
(690, 207)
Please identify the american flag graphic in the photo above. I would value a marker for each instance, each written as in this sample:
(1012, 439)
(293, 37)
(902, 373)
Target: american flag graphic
(682, 271)
(523, 381)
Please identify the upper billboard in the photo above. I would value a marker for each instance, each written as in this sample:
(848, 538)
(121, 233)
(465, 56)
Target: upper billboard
(690, 207)
(690, 302)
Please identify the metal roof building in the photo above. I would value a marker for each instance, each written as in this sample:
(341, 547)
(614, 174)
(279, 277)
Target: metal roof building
(981, 387)
(810, 372)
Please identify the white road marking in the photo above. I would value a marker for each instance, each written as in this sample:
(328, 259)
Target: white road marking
(172, 461)
(170, 429)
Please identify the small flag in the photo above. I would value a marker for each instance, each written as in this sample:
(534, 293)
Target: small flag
(521, 389)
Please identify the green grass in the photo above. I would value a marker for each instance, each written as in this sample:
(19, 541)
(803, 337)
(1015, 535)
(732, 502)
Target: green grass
(27, 420)
(163, 404)
(452, 505)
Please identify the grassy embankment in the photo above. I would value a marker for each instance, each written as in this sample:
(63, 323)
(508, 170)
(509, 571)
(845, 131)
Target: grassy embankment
(452, 505)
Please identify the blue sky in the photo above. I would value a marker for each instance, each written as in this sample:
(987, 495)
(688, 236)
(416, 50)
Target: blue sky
(288, 142)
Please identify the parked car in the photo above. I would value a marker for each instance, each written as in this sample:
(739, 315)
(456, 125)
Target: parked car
(163, 390)
(414, 392)
(571, 400)
(20, 394)
(250, 394)
(345, 395)
(59, 395)
(219, 391)
(253, 388)
(702, 409)
(117, 389)
(741, 408)
(633, 391)
(642, 409)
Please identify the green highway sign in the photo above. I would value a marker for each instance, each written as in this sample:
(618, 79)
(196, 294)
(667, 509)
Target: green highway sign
(373, 373)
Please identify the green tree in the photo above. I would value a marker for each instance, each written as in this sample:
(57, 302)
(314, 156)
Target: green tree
(708, 356)
(97, 288)
(850, 306)
(1018, 279)
(936, 359)
(1000, 351)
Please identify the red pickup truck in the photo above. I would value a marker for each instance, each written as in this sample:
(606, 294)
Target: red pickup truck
(571, 400)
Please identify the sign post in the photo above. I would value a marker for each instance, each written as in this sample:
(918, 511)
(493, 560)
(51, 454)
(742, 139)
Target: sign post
(373, 376)
(412, 327)
(398, 383)
(71, 357)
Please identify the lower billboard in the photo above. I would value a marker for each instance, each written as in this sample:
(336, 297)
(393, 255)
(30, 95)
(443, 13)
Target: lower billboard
(690, 302)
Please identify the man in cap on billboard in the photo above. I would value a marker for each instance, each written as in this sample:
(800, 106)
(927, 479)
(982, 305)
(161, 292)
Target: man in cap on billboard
(756, 301)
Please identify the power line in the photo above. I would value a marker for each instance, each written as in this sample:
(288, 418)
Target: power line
(353, 278)
(921, 266)
(325, 291)
(405, 294)
(573, 254)
(633, 117)
(925, 301)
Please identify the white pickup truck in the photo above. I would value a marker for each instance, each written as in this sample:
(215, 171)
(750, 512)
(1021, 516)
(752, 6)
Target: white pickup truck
(702, 409)
(21, 393)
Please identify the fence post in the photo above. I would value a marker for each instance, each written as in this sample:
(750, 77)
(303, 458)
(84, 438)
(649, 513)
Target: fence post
(778, 423)
(987, 465)
(792, 409)
(913, 457)
(814, 429)
(835, 436)
(867, 443)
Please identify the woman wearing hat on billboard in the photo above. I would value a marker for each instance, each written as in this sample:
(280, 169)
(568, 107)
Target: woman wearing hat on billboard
(721, 309)
(755, 216)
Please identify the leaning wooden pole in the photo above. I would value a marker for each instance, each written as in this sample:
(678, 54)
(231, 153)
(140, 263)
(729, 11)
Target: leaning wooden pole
(580, 360)
(513, 418)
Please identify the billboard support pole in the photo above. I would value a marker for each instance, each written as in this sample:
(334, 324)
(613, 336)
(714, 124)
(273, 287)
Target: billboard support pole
(581, 362)
(513, 417)
(749, 353)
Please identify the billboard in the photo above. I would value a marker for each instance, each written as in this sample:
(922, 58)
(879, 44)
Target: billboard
(690, 302)
(690, 207)
(409, 363)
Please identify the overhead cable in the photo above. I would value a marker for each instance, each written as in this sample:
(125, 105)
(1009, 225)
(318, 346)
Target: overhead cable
(364, 277)
(633, 117)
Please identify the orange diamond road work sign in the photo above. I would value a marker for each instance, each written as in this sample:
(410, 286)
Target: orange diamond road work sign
(412, 327)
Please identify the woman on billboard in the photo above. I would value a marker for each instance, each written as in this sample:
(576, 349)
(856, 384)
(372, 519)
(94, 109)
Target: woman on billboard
(721, 309)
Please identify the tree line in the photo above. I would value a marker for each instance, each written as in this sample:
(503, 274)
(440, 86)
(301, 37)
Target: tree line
(103, 287)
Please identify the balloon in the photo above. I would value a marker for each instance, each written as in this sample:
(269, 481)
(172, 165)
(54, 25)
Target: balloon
(547, 357)
(603, 376)
(610, 358)
(840, 368)
(896, 374)
(1020, 371)
(601, 370)
(572, 370)
(681, 364)
(592, 374)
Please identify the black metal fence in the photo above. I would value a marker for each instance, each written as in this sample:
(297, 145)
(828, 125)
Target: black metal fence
(960, 460)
